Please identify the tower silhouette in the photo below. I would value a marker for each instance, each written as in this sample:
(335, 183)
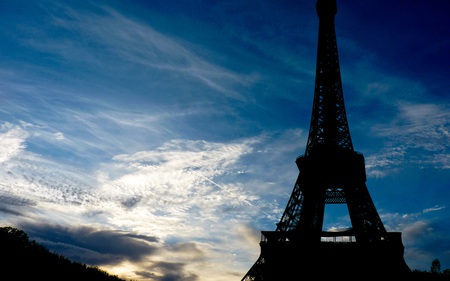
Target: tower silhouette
(331, 172)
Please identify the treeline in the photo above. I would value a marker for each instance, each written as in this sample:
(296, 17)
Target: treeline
(22, 259)
(435, 273)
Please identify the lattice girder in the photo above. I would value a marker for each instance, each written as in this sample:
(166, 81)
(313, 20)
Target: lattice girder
(328, 120)
(331, 175)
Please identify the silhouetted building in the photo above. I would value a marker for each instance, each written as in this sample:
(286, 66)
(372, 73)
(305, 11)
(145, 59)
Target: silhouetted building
(331, 172)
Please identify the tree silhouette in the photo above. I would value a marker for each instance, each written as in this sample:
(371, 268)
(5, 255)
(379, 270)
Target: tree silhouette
(435, 266)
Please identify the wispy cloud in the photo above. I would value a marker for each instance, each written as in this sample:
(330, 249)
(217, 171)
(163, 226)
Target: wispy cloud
(12, 139)
(418, 135)
(433, 209)
(125, 45)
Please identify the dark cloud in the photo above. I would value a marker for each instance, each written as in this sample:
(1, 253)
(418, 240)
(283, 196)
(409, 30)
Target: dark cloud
(131, 202)
(15, 201)
(11, 204)
(92, 246)
(143, 237)
(172, 272)
(188, 249)
(9, 211)
(168, 271)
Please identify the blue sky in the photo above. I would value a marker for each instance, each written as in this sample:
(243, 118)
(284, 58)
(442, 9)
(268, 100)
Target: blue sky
(156, 139)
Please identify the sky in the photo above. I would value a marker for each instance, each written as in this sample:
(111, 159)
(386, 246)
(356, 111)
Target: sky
(156, 139)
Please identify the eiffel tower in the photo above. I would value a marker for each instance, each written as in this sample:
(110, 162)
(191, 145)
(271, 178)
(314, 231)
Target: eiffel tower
(331, 172)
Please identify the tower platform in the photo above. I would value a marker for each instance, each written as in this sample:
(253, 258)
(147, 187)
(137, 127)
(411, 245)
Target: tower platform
(337, 256)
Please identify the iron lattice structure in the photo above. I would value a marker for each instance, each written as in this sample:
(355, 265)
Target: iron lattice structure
(331, 172)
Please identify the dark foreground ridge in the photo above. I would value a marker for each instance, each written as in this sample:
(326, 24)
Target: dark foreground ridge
(22, 259)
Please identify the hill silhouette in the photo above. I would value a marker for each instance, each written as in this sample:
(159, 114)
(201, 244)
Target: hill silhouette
(22, 259)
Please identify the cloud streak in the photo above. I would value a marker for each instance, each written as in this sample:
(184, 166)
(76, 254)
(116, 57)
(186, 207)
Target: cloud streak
(416, 127)
(132, 46)
(12, 139)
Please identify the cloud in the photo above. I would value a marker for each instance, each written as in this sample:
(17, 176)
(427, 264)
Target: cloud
(433, 209)
(12, 141)
(133, 44)
(187, 251)
(12, 204)
(422, 126)
(79, 125)
(419, 135)
(91, 245)
(59, 136)
(172, 272)
(177, 179)
(110, 248)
